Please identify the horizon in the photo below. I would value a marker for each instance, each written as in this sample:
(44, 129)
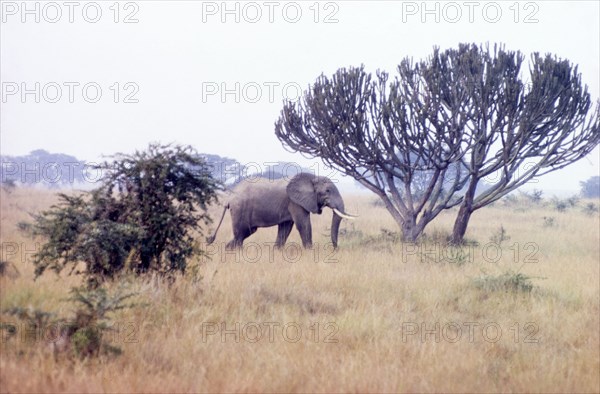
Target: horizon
(345, 183)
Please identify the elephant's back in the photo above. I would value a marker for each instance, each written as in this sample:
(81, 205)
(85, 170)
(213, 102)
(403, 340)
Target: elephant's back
(261, 203)
(258, 192)
(259, 186)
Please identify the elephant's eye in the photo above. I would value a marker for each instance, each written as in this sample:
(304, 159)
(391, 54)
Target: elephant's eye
(327, 191)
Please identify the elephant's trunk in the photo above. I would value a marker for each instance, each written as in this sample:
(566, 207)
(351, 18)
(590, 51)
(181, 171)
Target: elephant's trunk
(337, 205)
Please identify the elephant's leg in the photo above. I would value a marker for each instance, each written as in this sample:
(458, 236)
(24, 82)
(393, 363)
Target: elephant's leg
(252, 231)
(301, 217)
(242, 234)
(232, 245)
(305, 229)
(239, 235)
(283, 232)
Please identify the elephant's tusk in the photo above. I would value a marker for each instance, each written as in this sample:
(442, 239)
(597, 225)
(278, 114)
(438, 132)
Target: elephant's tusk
(344, 215)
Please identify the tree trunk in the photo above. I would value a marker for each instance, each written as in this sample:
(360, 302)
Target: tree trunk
(460, 225)
(410, 230)
(409, 227)
(464, 214)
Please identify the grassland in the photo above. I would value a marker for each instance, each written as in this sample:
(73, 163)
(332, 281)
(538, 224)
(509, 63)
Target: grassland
(374, 316)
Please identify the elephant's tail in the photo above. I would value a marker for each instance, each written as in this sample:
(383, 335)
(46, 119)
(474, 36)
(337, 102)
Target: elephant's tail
(211, 239)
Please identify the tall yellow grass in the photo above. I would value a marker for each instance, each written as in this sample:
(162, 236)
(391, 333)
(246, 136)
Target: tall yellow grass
(374, 316)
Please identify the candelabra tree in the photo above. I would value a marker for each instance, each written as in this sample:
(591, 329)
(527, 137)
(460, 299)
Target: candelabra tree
(457, 117)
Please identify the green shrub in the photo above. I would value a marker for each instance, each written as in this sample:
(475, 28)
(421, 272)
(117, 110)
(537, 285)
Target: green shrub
(549, 221)
(91, 321)
(35, 321)
(436, 236)
(83, 334)
(509, 281)
(142, 218)
(535, 196)
(573, 201)
(499, 236)
(560, 205)
(349, 231)
(590, 209)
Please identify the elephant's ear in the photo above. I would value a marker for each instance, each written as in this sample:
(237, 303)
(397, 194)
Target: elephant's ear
(302, 191)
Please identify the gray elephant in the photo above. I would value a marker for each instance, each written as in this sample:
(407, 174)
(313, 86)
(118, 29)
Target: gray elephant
(266, 203)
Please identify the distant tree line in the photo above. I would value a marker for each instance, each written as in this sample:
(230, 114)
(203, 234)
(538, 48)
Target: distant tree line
(41, 167)
(591, 187)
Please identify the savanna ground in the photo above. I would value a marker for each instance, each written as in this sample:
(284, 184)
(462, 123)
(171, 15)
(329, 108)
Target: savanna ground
(375, 316)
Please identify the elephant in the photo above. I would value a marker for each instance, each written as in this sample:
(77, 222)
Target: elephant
(266, 203)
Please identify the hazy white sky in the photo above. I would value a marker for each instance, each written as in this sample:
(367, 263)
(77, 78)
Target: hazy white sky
(116, 76)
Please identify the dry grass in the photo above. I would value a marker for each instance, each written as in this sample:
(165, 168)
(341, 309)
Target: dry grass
(371, 308)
